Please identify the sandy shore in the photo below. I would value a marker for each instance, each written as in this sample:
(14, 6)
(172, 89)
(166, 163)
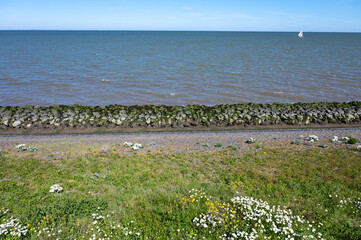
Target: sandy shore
(77, 144)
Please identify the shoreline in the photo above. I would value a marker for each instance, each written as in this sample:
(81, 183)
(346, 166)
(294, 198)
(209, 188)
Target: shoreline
(64, 119)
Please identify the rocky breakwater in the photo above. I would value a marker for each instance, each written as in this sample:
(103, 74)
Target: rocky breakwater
(148, 116)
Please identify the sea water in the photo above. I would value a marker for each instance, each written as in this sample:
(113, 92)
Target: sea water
(177, 68)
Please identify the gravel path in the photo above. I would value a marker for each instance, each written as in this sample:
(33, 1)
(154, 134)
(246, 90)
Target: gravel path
(174, 142)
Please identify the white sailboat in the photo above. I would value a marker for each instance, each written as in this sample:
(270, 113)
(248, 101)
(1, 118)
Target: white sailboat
(300, 35)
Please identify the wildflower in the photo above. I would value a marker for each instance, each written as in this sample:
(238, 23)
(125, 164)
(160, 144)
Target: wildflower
(128, 144)
(313, 138)
(256, 213)
(137, 146)
(20, 146)
(13, 228)
(251, 140)
(56, 188)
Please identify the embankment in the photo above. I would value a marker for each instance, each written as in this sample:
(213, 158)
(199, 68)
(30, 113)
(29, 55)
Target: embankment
(77, 118)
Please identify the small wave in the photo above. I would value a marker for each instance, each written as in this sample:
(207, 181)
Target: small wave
(61, 84)
(178, 94)
(105, 80)
(126, 77)
(66, 95)
(172, 94)
(18, 83)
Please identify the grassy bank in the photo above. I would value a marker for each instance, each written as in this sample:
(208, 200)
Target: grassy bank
(264, 192)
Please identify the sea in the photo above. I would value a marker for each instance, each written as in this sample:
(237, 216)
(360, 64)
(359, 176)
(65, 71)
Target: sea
(177, 68)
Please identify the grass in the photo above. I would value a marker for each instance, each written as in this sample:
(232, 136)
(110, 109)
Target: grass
(232, 147)
(181, 195)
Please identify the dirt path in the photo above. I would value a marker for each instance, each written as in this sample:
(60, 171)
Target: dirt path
(71, 145)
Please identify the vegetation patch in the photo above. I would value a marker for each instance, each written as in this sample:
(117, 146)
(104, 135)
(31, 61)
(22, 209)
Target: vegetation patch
(259, 193)
(352, 140)
(232, 147)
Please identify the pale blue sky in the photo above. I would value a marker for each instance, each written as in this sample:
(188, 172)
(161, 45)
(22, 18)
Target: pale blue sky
(204, 15)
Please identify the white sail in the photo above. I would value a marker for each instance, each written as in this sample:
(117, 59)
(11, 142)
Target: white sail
(300, 34)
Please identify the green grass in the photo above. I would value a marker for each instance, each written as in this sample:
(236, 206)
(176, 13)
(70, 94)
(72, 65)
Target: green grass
(234, 148)
(160, 195)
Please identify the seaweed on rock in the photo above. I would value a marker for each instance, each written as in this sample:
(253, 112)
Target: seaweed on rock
(158, 116)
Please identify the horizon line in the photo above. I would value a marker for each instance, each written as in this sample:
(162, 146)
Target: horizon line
(114, 30)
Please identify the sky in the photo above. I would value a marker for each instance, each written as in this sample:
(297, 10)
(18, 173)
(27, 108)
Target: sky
(179, 15)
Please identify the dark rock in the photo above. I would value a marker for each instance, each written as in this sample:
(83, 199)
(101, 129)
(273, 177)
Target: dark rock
(186, 124)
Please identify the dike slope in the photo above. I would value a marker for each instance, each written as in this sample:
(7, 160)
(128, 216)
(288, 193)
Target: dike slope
(118, 118)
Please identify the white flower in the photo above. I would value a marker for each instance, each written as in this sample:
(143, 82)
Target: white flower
(344, 138)
(20, 146)
(312, 138)
(56, 188)
(137, 146)
(13, 227)
(335, 139)
(128, 144)
(251, 140)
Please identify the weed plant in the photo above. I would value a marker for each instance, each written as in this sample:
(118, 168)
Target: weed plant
(352, 140)
(232, 147)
